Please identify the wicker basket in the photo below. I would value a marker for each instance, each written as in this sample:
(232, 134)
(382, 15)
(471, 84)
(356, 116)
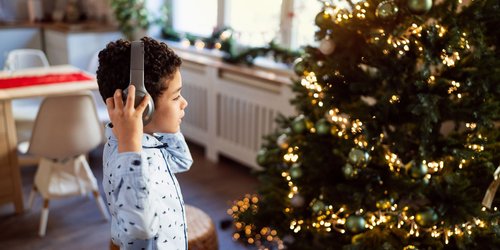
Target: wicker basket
(201, 230)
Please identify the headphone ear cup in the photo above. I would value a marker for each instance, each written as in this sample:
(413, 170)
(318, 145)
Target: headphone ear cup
(147, 115)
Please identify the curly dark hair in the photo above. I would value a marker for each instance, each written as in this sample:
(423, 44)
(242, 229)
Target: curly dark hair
(160, 65)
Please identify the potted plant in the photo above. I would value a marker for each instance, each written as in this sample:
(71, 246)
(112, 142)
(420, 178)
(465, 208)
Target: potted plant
(132, 16)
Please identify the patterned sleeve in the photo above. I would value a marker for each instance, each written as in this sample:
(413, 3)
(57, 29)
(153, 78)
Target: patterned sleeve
(178, 156)
(126, 183)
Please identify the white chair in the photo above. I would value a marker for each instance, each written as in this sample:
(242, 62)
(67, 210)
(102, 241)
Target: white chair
(66, 128)
(25, 58)
(25, 110)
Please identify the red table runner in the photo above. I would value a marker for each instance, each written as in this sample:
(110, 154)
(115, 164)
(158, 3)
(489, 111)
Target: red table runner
(42, 79)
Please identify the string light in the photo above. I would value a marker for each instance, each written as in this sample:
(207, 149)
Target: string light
(449, 60)
(394, 99)
(185, 43)
(290, 156)
(454, 87)
(431, 80)
(393, 161)
(310, 82)
(199, 44)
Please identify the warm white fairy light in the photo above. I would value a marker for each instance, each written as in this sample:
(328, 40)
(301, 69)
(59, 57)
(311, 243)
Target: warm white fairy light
(360, 10)
(394, 99)
(199, 44)
(441, 30)
(356, 126)
(476, 147)
(454, 87)
(471, 126)
(311, 82)
(341, 122)
(434, 166)
(449, 60)
(225, 35)
(361, 142)
(185, 43)
(290, 156)
(393, 161)
(431, 80)
(464, 43)
(415, 29)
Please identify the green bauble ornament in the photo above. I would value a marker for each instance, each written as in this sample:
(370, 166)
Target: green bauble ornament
(317, 206)
(418, 171)
(358, 157)
(262, 157)
(299, 66)
(355, 224)
(282, 141)
(324, 19)
(299, 124)
(322, 127)
(295, 171)
(427, 217)
(419, 7)
(387, 10)
(348, 170)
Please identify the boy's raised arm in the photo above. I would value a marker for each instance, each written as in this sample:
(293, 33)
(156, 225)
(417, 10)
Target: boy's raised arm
(176, 152)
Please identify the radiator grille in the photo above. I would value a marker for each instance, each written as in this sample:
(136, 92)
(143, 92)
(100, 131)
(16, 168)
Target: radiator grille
(242, 122)
(196, 112)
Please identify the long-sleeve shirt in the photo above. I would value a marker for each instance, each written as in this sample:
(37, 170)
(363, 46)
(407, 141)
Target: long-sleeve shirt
(143, 195)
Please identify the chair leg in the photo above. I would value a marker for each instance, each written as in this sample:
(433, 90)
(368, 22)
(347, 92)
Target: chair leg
(44, 217)
(32, 197)
(100, 204)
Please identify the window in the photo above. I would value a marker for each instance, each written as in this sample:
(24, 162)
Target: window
(197, 17)
(256, 22)
(303, 27)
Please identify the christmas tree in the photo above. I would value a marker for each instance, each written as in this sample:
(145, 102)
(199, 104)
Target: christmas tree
(397, 138)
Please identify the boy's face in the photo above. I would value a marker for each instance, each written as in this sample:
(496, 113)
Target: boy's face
(169, 108)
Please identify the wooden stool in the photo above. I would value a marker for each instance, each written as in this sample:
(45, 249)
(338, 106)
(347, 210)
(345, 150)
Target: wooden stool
(201, 230)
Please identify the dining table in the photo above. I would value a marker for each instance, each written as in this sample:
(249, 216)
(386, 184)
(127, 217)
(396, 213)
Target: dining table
(27, 83)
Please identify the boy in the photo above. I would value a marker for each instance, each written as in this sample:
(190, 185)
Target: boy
(139, 162)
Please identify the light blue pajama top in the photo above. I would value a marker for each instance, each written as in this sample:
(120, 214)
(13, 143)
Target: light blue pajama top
(143, 195)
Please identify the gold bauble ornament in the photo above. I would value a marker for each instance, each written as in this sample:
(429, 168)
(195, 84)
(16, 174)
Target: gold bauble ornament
(427, 217)
(419, 7)
(387, 10)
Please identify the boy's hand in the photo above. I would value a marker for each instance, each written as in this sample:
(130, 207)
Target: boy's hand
(127, 120)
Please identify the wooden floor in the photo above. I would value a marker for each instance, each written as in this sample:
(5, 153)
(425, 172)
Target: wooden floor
(75, 223)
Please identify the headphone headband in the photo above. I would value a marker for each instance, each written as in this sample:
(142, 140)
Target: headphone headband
(137, 65)
(137, 79)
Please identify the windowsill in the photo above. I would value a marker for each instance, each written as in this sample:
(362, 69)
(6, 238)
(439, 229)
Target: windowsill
(263, 67)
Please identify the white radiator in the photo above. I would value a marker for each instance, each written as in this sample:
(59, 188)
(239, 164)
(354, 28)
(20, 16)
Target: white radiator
(229, 112)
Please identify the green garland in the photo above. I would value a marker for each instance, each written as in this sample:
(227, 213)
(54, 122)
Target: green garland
(280, 54)
(229, 46)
